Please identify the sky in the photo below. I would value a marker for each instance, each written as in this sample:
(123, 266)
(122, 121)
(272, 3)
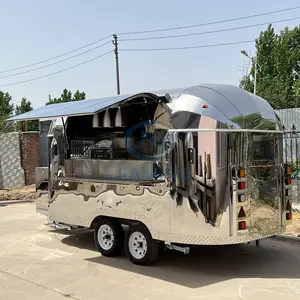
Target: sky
(35, 30)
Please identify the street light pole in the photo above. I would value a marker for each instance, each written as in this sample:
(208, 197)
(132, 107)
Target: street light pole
(255, 69)
(255, 74)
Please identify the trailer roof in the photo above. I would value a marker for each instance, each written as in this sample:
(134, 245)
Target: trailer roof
(229, 101)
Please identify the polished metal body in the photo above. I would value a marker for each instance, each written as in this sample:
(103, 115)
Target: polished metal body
(209, 132)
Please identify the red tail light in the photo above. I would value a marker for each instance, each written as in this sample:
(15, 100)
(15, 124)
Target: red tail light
(241, 185)
(289, 216)
(242, 225)
(288, 180)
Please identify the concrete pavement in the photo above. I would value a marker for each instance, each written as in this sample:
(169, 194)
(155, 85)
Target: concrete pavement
(37, 262)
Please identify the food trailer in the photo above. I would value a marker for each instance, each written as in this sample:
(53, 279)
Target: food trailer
(201, 165)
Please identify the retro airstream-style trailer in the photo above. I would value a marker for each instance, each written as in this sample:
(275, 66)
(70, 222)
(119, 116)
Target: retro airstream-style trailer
(194, 166)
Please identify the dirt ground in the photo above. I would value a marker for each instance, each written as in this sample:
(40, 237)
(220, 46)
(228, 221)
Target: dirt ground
(26, 193)
(294, 228)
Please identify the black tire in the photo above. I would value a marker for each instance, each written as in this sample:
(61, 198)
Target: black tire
(112, 228)
(139, 255)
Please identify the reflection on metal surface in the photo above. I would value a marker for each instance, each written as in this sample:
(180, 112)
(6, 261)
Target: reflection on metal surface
(185, 186)
(262, 200)
(112, 169)
(41, 175)
(227, 104)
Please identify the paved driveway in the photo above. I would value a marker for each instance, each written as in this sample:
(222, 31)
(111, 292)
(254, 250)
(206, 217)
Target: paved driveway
(38, 263)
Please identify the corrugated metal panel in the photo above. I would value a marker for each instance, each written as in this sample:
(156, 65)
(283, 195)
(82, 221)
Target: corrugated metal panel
(291, 146)
(289, 117)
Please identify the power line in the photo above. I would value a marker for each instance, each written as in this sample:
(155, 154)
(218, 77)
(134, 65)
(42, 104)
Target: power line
(210, 23)
(188, 47)
(60, 71)
(206, 32)
(148, 31)
(57, 62)
(58, 56)
(141, 49)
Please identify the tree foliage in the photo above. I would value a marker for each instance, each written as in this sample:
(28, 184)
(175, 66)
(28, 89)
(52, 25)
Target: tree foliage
(25, 106)
(278, 68)
(6, 108)
(67, 96)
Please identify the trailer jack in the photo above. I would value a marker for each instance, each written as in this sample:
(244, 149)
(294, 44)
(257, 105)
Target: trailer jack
(184, 250)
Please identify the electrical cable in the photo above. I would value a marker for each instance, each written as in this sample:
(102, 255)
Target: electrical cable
(58, 56)
(187, 47)
(149, 31)
(211, 23)
(207, 32)
(57, 72)
(57, 62)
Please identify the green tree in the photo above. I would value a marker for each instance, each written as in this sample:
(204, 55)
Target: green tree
(25, 106)
(6, 108)
(278, 57)
(67, 96)
(79, 96)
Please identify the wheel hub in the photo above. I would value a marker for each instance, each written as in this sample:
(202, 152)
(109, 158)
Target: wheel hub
(106, 237)
(137, 245)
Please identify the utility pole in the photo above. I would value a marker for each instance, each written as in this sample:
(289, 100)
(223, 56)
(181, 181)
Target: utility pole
(115, 42)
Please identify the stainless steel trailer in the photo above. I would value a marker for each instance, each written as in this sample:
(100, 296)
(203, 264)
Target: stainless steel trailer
(194, 166)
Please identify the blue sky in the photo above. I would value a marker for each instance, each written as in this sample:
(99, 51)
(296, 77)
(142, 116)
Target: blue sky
(35, 30)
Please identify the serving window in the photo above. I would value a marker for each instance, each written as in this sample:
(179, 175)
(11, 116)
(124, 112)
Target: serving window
(121, 149)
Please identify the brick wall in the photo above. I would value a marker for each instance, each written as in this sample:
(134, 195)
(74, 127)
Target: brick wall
(30, 155)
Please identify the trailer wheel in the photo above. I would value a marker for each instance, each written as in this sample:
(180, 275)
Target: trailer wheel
(109, 237)
(139, 245)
